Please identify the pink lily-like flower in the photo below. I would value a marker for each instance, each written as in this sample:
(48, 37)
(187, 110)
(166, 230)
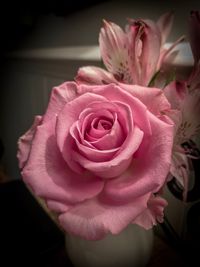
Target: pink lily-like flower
(187, 130)
(184, 96)
(132, 56)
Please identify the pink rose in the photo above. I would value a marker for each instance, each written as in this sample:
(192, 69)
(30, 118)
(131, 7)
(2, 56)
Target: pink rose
(99, 155)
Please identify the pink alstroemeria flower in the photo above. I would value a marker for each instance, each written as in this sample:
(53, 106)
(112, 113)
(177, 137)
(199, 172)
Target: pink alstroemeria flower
(132, 56)
(187, 129)
(184, 96)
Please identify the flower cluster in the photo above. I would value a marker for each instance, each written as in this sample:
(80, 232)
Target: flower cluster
(110, 140)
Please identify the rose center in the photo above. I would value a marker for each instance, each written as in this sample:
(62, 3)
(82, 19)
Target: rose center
(107, 125)
(102, 124)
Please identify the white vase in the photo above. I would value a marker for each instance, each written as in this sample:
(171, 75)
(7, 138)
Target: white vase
(131, 248)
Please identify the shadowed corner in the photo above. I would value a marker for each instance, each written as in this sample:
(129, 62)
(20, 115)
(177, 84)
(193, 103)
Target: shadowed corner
(28, 236)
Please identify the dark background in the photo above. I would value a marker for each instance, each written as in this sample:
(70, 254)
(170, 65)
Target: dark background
(19, 18)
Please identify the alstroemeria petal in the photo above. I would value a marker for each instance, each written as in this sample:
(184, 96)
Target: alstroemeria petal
(168, 53)
(176, 93)
(194, 79)
(180, 168)
(150, 51)
(115, 52)
(165, 23)
(190, 127)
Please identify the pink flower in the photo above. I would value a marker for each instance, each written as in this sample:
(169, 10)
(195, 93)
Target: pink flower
(184, 96)
(98, 156)
(187, 128)
(132, 56)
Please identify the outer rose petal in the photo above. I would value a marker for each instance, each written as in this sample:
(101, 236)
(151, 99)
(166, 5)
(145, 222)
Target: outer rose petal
(149, 169)
(154, 99)
(24, 142)
(93, 76)
(57, 206)
(153, 213)
(48, 174)
(60, 95)
(93, 219)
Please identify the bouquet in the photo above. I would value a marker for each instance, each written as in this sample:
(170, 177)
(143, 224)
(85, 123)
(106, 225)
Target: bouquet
(110, 141)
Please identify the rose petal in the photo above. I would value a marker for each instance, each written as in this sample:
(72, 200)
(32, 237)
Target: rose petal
(115, 136)
(153, 213)
(57, 206)
(90, 121)
(92, 219)
(112, 139)
(92, 153)
(69, 114)
(119, 163)
(149, 169)
(94, 75)
(153, 99)
(60, 95)
(86, 118)
(114, 93)
(48, 174)
(25, 141)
